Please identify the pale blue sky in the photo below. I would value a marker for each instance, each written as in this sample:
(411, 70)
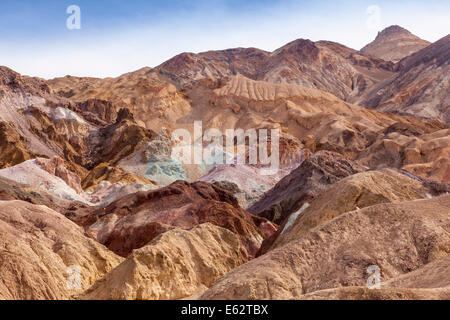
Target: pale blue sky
(120, 36)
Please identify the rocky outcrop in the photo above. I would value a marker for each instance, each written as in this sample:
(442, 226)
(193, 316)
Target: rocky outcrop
(13, 81)
(398, 238)
(99, 112)
(45, 256)
(242, 181)
(156, 102)
(420, 88)
(57, 168)
(429, 282)
(355, 192)
(394, 43)
(134, 220)
(303, 184)
(106, 173)
(153, 161)
(53, 177)
(246, 181)
(43, 174)
(120, 139)
(107, 192)
(406, 147)
(11, 190)
(13, 148)
(177, 264)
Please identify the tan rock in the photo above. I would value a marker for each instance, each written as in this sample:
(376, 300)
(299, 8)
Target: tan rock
(105, 172)
(394, 43)
(426, 155)
(398, 238)
(40, 250)
(431, 282)
(13, 148)
(363, 293)
(177, 264)
(156, 102)
(432, 275)
(353, 193)
(412, 155)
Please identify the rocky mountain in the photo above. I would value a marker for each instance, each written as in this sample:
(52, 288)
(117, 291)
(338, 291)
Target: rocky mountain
(322, 65)
(303, 184)
(154, 102)
(305, 115)
(338, 253)
(39, 246)
(421, 87)
(394, 43)
(177, 264)
(88, 183)
(356, 192)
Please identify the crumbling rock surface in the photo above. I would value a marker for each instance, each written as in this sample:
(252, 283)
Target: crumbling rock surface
(105, 172)
(41, 253)
(398, 238)
(430, 282)
(13, 147)
(421, 86)
(177, 264)
(355, 192)
(134, 220)
(303, 184)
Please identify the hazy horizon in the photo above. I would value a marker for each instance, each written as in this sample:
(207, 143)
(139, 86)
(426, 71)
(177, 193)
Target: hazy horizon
(117, 37)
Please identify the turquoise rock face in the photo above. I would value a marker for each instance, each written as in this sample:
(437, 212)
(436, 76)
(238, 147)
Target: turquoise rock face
(165, 171)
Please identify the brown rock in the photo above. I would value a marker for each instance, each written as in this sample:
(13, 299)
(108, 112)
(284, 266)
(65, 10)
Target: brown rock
(38, 246)
(13, 148)
(425, 155)
(430, 282)
(157, 102)
(303, 184)
(57, 167)
(105, 172)
(355, 192)
(10, 190)
(133, 221)
(175, 265)
(398, 238)
(420, 88)
(97, 111)
(394, 43)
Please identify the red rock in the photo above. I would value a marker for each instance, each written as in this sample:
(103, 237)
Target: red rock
(133, 221)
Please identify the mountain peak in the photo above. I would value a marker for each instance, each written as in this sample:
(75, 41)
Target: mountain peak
(393, 30)
(394, 43)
